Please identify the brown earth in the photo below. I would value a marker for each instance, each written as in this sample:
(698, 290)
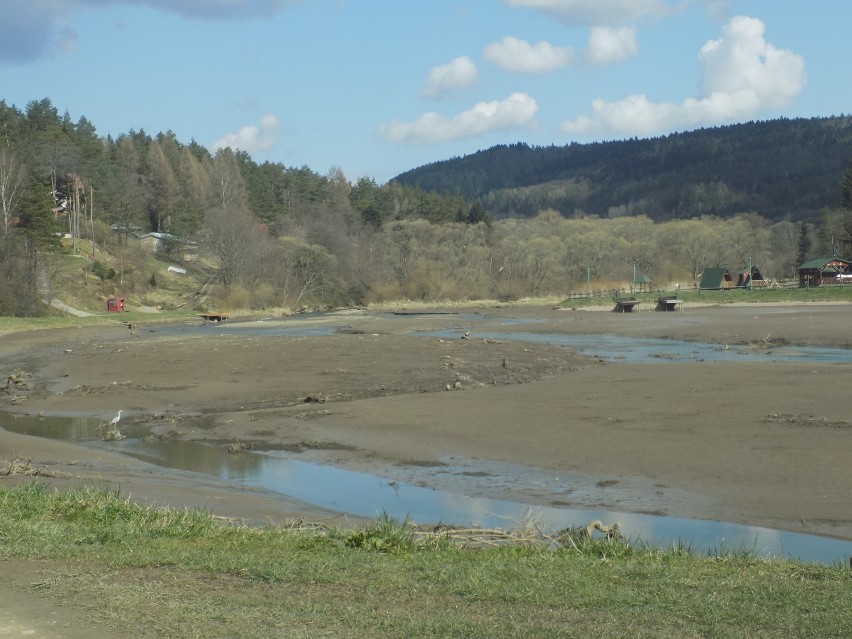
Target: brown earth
(750, 442)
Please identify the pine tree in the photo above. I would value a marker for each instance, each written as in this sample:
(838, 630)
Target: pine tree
(846, 189)
(804, 244)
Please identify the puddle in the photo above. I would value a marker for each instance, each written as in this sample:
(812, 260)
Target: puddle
(607, 347)
(404, 494)
(651, 350)
(252, 329)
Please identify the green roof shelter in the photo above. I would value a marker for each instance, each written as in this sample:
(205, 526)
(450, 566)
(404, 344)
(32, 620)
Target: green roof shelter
(825, 270)
(644, 283)
(716, 278)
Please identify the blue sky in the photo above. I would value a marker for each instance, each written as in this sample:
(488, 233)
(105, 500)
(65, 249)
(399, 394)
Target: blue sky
(377, 87)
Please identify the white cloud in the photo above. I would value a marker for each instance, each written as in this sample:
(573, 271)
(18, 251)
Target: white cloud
(519, 56)
(608, 45)
(518, 110)
(598, 12)
(742, 60)
(455, 75)
(743, 76)
(30, 29)
(252, 138)
(214, 8)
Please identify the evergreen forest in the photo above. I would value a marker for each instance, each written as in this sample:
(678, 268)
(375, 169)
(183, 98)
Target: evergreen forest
(505, 223)
(780, 168)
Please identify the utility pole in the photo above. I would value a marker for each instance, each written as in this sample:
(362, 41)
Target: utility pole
(634, 278)
(92, 216)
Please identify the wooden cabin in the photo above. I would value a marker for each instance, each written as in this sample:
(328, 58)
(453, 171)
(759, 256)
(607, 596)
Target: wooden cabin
(825, 271)
(753, 279)
(716, 278)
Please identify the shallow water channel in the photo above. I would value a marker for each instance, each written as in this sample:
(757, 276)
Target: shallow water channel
(367, 495)
(607, 347)
(404, 494)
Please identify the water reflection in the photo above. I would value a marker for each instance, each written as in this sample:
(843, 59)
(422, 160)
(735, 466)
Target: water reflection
(367, 495)
(608, 347)
(652, 350)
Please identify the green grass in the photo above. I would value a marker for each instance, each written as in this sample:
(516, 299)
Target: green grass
(778, 295)
(168, 572)
(16, 324)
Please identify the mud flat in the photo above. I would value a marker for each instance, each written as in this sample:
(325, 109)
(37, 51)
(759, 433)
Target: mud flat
(754, 441)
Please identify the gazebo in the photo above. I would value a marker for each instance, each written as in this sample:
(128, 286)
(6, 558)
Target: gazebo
(824, 270)
(644, 283)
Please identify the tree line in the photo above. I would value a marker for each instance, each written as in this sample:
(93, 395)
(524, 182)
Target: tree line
(283, 236)
(784, 167)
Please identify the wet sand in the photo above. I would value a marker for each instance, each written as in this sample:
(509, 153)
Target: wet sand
(751, 442)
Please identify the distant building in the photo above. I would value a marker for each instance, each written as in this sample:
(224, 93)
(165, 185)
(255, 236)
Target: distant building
(825, 270)
(750, 279)
(716, 278)
(644, 283)
(156, 241)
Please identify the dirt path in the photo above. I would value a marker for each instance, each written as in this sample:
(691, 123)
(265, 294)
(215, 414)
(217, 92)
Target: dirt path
(24, 614)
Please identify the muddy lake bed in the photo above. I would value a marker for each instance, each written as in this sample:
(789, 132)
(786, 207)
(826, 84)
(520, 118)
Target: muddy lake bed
(717, 428)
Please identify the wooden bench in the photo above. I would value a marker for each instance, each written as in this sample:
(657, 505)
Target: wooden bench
(625, 304)
(668, 303)
(214, 317)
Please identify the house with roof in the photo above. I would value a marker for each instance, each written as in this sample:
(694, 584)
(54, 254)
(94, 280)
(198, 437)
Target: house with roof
(750, 278)
(824, 271)
(716, 278)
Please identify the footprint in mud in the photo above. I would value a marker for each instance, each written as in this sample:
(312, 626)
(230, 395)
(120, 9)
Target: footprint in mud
(606, 483)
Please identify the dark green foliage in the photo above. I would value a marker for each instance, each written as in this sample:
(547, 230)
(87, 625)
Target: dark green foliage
(37, 220)
(804, 249)
(103, 271)
(475, 214)
(778, 167)
(846, 189)
(384, 534)
(367, 201)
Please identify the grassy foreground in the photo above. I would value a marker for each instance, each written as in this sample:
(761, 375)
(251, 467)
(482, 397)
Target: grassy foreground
(175, 573)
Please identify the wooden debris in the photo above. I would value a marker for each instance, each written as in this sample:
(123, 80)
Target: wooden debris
(24, 467)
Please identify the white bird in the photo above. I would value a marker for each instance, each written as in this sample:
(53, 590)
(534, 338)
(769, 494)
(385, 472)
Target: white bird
(114, 421)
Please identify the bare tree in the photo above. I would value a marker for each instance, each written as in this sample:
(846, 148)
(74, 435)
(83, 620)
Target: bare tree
(309, 270)
(232, 234)
(406, 243)
(11, 180)
(230, 188)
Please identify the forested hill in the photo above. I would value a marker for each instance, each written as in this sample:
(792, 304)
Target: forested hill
(775, 168)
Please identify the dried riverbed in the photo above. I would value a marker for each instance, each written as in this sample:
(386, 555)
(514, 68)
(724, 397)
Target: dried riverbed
(753, 440)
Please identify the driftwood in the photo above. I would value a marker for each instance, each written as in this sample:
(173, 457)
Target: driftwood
(527, 533)
(19, 467)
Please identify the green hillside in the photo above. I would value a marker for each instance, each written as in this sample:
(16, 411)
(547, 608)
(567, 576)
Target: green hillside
(776, 168)
(86, 217)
